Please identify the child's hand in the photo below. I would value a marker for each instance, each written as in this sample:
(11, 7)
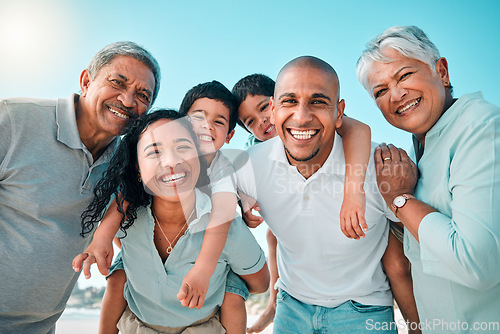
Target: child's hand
(247, 205)
(194, 288)
(97, 252)
(352, 214)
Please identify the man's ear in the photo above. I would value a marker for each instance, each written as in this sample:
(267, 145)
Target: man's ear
(442, 71)
(340, 113)
(85, 80)
(272, 105)
(229, 136)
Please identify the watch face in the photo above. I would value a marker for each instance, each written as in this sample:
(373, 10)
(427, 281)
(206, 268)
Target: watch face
(399, 201)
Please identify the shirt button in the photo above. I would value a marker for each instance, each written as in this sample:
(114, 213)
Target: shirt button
(306, 197)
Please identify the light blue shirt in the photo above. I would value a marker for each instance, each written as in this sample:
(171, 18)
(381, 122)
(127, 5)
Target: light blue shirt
(317, 263)
(152, 286)
(456, 266)
(46, 180)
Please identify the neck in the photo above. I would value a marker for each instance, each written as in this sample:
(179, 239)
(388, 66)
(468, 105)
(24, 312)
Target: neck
(174, 213)
(311, 166)
(448, 102)
(93, 140)
(210, 157)
(306, 168)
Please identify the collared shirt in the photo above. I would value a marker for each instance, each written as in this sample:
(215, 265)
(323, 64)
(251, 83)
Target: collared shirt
(152, 286)
(456, 265)
(46, 181)
(317, 263)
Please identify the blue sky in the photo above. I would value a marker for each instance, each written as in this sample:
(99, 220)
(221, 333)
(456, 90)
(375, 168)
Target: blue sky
(46, 44)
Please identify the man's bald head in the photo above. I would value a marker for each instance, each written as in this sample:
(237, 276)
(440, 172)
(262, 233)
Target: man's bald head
(309, 62)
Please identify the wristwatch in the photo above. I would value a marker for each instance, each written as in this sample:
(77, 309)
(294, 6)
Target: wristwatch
(400, 201)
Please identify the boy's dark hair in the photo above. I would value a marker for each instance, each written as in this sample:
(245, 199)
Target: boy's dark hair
(121, 178)
(253, 84)
(213, 90)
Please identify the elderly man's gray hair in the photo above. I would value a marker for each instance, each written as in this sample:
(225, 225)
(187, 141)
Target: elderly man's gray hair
(409, 41)
(130, 49)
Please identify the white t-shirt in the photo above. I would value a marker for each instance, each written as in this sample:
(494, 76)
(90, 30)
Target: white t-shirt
(221, 175)
(317, 263)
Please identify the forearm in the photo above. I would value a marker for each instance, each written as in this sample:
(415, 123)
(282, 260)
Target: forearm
(356, 141)
(223, 211)
(273, 267)
(110, 224)
(411, 214)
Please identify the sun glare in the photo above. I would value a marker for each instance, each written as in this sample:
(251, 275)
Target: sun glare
(27, 34)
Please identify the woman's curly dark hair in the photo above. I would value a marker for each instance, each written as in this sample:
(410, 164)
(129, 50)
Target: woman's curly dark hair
(121, 179)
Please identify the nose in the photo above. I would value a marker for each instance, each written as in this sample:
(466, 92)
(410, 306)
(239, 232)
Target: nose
(302, 115)
(398, 93)
(127, 98)
(208, 125)
(263, 120)
(169, 158)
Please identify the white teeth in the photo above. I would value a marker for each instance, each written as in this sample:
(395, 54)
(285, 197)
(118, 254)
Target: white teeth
(408, 106)
(173, 177)
(117, 113)
(271, 128)
(205, 138)
(302, 135)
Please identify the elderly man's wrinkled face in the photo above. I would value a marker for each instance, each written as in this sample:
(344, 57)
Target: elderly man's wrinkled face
(409, 94)
(122, 90)
(306, 112)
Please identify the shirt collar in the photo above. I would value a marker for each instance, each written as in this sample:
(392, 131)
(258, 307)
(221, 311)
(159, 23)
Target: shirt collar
(67, 130)
(450, 114)
(203, 209)
(334, 164)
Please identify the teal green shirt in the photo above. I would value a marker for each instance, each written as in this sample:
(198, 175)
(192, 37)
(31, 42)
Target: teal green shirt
(152, 286)
(456, 265)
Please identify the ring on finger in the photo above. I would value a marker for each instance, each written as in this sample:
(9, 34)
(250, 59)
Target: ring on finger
(387, 158)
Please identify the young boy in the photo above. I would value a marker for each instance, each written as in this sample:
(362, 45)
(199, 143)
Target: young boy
(211, 109)
(252, 95)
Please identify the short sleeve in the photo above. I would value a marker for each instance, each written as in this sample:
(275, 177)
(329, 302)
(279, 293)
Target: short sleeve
(5, 133)
(243, 253)
(245, 177)
(221, 174)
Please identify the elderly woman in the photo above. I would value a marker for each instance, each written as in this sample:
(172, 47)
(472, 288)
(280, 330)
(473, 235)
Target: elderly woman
(452, 216)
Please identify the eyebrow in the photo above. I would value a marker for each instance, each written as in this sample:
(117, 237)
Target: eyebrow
(175, 141)
(392, 76)
(205, 113)
(320, 95)
(314, 96)
(286, 95)
(124, 78)
(181, 140)
(152, 145)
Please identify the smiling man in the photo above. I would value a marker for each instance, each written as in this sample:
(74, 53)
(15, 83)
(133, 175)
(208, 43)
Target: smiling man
(51, 155)
(327, 282)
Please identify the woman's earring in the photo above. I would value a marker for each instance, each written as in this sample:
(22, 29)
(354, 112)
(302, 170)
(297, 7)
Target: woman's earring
(139, 178)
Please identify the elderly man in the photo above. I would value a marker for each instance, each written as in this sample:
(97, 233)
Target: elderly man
(51, 155)
(328, 283)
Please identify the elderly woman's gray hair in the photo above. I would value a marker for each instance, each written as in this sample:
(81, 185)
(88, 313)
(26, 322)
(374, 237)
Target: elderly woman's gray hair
(130, 49)
(409, 41)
